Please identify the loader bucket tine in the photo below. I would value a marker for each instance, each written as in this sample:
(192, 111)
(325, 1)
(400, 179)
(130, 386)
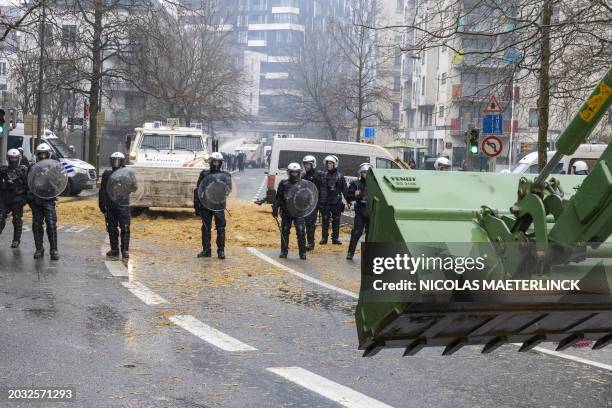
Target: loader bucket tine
(603, 342)
(569, 340)
(415, 347)
(532, 342)
(494, 344)
(373, 349)
(454, 346)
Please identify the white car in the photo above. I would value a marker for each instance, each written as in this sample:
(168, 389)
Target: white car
(350, 155)
(81, 175)
(588, 153)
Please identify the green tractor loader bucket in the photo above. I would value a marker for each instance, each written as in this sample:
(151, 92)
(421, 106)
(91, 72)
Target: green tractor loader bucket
(528, 260)
(433, 213)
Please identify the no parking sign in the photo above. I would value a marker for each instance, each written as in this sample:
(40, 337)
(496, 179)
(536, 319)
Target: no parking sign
(492, 146)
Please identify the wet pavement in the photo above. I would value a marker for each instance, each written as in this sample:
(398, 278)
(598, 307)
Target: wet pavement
(71, 323)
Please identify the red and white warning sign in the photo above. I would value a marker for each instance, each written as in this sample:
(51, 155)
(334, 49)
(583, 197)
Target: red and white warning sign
(492, 146)
(493, 106)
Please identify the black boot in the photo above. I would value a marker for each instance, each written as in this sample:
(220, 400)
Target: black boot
(336, 231)
(52, 235)
(17, 229)
(301, 238)
(125, 242)
(221, 244)
(310, 238)
(349, 255)
(205, 243)
(38, 232)
(284, 243)
(113, 238)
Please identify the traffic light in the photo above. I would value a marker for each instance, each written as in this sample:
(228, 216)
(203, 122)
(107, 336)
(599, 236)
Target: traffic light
(473, 142)
(2, 121)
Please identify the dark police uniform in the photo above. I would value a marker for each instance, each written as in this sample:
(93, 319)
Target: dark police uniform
(362, 218)
(13, 196)
(280, 203)
(207, 217)
(118, 218)
(333, 187)
(313, 176)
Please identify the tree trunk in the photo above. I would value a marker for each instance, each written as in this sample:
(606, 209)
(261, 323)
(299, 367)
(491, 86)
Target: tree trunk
(544, 79)
(94, 86)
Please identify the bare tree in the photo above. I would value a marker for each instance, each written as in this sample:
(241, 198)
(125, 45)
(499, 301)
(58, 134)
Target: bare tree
(187, 71)
(361, 49)
(317, 76)
(541, 44)
(22, 18)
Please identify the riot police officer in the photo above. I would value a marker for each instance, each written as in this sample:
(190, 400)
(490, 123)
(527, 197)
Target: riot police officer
(294, 172)
(13, 193)
(117, 217)
(313, 175)
(207, 215)
(43, 211)
(333, 187)
(442, 164)
(24, 160)
(580, 168)
(357, 193)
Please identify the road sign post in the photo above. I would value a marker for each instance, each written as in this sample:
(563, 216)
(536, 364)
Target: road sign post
(369, 134)
(492, 146)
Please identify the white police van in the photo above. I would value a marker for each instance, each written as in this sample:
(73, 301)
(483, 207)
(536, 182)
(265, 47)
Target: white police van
(81, 175)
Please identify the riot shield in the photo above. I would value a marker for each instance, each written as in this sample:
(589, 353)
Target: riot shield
(302, 198)
(214, 189)
(47, 179)
(121, 185)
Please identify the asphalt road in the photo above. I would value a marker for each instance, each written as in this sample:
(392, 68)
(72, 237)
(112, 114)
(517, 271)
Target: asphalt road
(250, 184)
(171, 330)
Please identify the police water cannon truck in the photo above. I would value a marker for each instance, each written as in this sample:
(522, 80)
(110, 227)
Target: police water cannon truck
(166, 160)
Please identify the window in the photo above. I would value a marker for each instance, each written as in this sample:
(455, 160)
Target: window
(3, 69)
(68, 35)
(396, 84)
(398, 58)
(423, 86)
(533, 117)
(285, 18)
(15, 142)
(188, 143)
(386, 164)
(396, 111)
(155, 141)
(399, 6)
(441, 111)
(348, 163)
(443, 78)
(243, 37)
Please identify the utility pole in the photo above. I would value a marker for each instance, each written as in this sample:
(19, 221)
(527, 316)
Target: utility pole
(40, 76)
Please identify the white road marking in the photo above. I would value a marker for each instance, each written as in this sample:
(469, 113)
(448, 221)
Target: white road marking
(210, 334)
(143, 293)
(260, 189)
(301, 275)
(570, 357)
(116, 268)
(327, 388)
(356, 296)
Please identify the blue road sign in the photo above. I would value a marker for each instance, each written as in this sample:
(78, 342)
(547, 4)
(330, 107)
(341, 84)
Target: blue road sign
(369, 133)
(493, 124)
